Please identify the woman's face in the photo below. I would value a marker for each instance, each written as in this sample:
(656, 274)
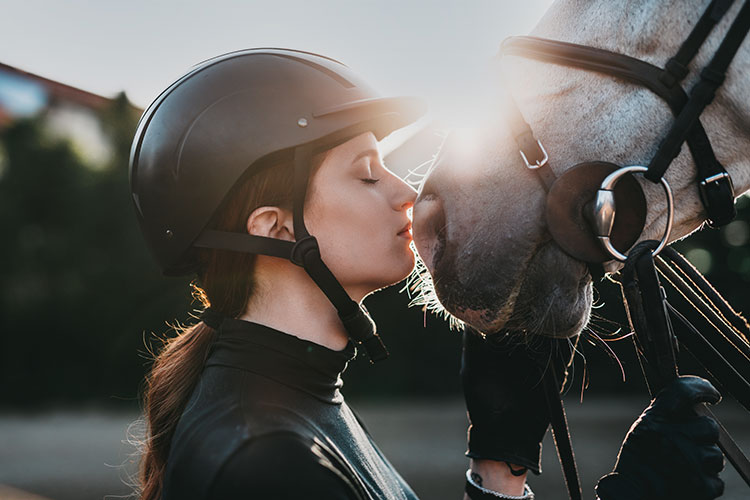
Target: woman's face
(357, 210)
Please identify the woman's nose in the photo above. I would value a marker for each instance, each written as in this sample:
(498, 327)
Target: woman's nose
(405, 195)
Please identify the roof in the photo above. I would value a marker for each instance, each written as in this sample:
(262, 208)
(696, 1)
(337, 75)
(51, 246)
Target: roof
(61, 91)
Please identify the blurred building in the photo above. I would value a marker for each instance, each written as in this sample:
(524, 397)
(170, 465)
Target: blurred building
(67, 112)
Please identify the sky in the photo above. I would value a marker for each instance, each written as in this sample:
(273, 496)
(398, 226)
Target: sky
(436, 49)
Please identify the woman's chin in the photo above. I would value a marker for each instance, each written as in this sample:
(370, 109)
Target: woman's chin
(401, 266)
(400, 272)
(397, 272)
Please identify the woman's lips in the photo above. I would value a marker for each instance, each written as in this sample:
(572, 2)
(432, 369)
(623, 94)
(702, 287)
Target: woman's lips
(406, 231)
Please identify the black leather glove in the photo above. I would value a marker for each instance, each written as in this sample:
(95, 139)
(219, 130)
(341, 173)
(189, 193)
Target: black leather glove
(670, 451)
(504, 392)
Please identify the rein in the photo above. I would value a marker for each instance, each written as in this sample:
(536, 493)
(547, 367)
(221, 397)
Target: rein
(581, 207)
(722, 348)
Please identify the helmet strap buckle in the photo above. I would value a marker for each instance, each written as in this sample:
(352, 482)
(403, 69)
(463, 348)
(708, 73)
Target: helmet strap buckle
(302, 248)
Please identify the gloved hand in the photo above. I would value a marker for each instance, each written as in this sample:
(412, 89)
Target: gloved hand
(504, 392)
(670, 451)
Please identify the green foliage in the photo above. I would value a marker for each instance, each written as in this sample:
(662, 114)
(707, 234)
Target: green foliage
(78, 288)
(723, 255)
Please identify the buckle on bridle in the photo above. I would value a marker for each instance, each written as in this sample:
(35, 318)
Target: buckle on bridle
(538, 163)
(715, 180)
(717, 195)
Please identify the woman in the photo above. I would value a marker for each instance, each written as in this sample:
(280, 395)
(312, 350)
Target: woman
(259, 170)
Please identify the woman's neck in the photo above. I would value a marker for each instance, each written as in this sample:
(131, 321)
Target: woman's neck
(287, 300)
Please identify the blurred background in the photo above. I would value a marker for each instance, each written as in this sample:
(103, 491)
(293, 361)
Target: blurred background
(82, 304)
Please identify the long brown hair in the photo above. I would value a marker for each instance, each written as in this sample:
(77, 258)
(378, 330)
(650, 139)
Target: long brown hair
(225, 283)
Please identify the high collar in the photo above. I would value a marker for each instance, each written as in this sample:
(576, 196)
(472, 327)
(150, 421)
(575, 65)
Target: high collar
(289, 360)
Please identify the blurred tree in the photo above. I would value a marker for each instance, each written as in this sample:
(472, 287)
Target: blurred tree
(78, 288)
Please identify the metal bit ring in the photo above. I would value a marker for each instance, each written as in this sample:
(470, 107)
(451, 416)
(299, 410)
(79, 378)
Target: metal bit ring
(604, 210)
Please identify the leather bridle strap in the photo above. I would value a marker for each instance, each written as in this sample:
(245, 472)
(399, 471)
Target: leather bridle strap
(701, 95)
(532, 152)
(560, 432)
(715, 188)
(719, 206)
(676, 68)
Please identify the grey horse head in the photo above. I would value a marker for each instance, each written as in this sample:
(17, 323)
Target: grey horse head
(479, 221)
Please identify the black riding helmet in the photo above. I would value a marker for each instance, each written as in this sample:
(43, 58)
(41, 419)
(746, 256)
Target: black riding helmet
(231, 116)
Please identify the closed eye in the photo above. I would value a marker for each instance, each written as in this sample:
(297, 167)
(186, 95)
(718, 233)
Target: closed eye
(369, 180)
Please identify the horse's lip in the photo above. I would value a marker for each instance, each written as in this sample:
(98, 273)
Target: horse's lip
(579, 280)
(429, 230)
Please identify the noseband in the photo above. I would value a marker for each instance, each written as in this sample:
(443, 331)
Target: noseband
(582, 203)
(593, 234)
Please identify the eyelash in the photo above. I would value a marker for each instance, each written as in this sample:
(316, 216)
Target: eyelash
(370, 181)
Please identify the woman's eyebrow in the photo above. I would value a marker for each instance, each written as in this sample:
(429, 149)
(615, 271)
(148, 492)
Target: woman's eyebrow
(366, 152)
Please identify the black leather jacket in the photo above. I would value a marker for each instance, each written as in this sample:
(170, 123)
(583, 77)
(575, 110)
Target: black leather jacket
(267, 420)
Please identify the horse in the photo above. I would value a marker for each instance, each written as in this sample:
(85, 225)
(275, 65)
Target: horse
(479, 224)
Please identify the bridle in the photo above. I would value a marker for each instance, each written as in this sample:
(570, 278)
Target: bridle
(714, 184)
(582, 203)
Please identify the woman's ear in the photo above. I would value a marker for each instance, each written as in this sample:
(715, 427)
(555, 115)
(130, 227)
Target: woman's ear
(271, 222)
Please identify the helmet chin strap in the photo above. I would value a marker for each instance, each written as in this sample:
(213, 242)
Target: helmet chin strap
(306, 253)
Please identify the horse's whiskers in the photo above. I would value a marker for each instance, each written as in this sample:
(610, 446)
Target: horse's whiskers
(421, 290)
(600, 342)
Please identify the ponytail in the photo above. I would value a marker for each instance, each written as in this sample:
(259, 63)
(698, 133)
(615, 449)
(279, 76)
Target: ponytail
(172, 379)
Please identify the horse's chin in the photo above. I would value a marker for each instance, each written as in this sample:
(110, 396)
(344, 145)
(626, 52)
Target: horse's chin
(552, 297)
(555, 297)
